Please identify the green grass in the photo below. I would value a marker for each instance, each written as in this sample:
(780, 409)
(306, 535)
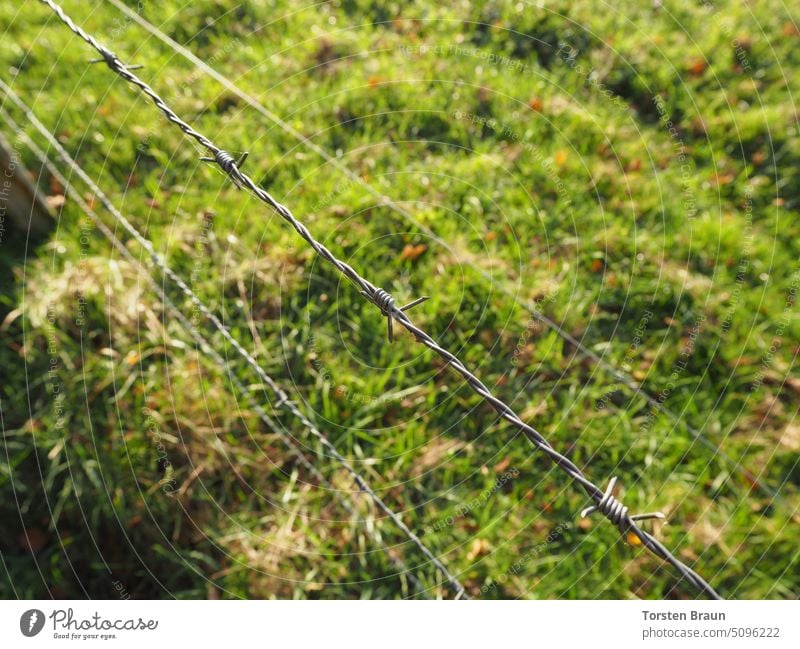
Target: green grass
(673, 253)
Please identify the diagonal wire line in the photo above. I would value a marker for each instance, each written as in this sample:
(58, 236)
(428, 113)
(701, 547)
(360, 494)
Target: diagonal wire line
(620, 375)
(203, 343)
(603, 501)
(282, 400)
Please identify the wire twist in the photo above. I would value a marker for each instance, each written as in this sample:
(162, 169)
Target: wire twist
(112, 61)
(616, 512)
(109, 58)
(385, 302)
(230, 165)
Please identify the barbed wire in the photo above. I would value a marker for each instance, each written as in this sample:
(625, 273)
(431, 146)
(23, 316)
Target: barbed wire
(203, 343)
(625, 378)
(603, 501)
(282, 400)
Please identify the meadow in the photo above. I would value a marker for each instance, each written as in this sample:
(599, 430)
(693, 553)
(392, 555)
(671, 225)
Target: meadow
(630, 172)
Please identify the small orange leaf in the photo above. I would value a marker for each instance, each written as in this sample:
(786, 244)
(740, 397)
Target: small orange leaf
(634, 165)
(560, 157)
(790, 29)
(698, 66)
(633, 539)
(724, 179)
(535, 104)
(412, 252)
(597, 265)
(55, 186)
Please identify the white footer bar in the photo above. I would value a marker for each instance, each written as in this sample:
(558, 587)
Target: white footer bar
(399, 625)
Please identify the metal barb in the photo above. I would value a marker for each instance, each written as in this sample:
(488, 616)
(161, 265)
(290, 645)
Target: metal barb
(385, 302)
(110, 59)
(616, 512)
(230, 165)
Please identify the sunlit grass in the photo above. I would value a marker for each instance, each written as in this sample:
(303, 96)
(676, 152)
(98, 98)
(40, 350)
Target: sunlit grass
(639, 186)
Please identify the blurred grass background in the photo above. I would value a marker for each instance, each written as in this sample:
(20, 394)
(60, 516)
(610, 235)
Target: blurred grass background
(632, 170)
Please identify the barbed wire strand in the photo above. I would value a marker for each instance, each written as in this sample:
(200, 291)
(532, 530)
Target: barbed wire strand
(610, 507)
(205, 346)
(636, 388)
(282, 400)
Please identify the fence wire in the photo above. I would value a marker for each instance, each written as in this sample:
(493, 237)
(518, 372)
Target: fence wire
(282, 400)
(603, 501)
(618, 374)
(203, 343)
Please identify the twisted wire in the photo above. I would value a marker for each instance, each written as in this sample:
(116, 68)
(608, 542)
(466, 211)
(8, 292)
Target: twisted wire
(620, 375)
(205, 345)
(383, 301)
(373, 294)
(282, 399)
(615, 511)
(612, 509)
